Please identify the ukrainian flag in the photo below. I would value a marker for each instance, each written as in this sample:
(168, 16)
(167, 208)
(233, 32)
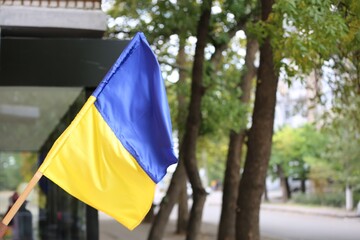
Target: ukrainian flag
(119, 145)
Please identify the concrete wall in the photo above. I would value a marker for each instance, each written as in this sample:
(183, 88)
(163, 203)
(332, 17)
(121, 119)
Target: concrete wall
(29, 16)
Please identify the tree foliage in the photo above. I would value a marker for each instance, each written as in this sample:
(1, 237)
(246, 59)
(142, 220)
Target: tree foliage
(299, 152)
(323, 36)
(343, 151)
(312, 31)
(16, 168)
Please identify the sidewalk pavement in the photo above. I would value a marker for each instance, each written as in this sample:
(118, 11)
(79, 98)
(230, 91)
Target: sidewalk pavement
(312, 210)
(112, 230)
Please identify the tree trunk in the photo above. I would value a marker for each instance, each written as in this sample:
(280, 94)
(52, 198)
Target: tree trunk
(231, 182)
(183, 209)
(160, 221)
(266, 195)
(252, 183)
(232, 172)
(193, 122)
(285, 188)
(187, 154)
(303, 185)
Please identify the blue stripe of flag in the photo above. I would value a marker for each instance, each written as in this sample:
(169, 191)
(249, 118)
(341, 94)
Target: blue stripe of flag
(138, 113)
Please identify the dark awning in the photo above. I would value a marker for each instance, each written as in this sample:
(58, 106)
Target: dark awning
(56, 62)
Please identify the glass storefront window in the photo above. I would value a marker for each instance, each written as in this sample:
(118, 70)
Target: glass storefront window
(31, 118)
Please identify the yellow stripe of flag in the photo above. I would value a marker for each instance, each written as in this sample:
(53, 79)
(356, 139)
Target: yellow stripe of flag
(96, 168)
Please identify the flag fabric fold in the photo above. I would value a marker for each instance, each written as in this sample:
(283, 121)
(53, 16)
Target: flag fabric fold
(119, 145)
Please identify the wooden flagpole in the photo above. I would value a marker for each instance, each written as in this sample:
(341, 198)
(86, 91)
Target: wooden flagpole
(14, 209)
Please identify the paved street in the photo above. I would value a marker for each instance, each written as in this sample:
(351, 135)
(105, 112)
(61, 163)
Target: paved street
(277, 222)
(297, 226)
(296, 223)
